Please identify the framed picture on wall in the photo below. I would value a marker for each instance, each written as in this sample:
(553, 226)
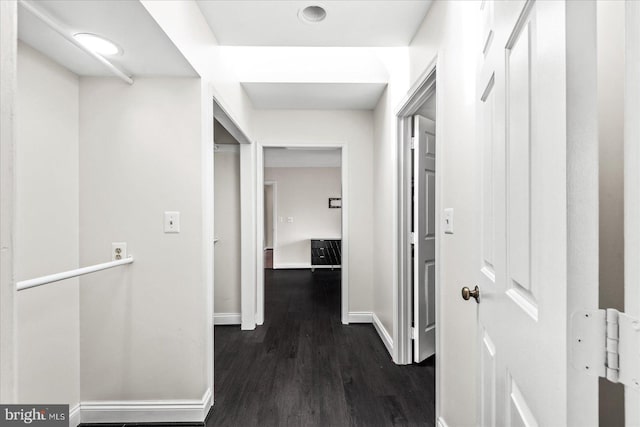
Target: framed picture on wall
(335, 202)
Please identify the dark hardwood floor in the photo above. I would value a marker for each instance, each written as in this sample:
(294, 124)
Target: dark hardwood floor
(304, 368)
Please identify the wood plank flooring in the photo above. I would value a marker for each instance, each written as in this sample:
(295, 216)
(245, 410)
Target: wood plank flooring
(304, 368)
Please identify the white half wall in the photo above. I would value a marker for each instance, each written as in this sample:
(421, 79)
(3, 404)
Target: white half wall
(355, 130)
(47, 239)
(144, 327)
(227, 231)
(303, 195)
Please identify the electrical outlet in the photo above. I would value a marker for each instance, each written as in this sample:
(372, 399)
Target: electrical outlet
(118, 251)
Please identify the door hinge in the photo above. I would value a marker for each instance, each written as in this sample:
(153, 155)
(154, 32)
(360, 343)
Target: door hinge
(413, 142)
(606, 343)
(412, 238)
(413, 333)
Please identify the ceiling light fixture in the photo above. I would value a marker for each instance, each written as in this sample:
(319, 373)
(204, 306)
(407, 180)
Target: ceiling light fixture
(97, 44)
(312, 14)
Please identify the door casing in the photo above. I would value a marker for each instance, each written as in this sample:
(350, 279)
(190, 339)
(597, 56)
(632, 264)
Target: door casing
(259, 238)
(420, 92)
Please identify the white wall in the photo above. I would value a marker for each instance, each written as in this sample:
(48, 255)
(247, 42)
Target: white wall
(385, 183)
(303, 194)
(448, 32)
(47, 238)
(227, 230)
(187, 28)
(611, 45)
(355, 129)
(144, 329)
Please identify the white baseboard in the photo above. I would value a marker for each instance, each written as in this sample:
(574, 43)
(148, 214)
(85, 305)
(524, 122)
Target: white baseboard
(226, 319)
(296, 266)
(74, 416)
(146, 411)
(360, 317)
(384, 334)
(291, 265)
(442, 423)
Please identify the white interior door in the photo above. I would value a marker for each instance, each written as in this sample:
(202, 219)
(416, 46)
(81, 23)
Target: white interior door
(528, 263)
(632, 186)
(424, 228)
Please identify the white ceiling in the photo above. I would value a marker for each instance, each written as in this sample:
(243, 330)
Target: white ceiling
(314, 96)
(147, 49)
(348, 22)
(299, 158)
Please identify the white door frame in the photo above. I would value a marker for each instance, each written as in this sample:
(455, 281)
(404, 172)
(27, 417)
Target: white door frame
(421, 91)
(248, 243)
(632, 188)
(274, 215)
(8, 89)
(344, 285)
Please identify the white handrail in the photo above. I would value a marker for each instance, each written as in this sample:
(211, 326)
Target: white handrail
(64, 32)
(39, 281)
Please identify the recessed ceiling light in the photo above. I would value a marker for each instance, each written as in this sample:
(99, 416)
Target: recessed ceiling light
(97, 44)
(312, 14)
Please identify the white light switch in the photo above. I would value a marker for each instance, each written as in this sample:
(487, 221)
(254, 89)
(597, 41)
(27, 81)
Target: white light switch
(289, 219)
(172, 222)
(447, 221)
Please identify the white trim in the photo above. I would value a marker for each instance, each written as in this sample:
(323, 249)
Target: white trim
(8, 90)
(146, 411)
(631, 187)
(259, 235)
(291, 265)
(420, 91)
(360, 317)
(302, 266)
(274, 214)
(250, 259)
(74, 415)
(383, 333)
(226, 319)
(441, 422)
(344, 151)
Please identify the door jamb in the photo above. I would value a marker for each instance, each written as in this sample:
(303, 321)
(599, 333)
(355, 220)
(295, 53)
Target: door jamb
(421, 91)
(274, 214)
(344, 171)
(247, 214)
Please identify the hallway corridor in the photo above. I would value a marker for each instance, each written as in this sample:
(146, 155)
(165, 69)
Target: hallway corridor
(304, 368)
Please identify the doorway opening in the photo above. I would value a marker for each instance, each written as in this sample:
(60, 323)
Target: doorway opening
(419, 226)
(306, 186)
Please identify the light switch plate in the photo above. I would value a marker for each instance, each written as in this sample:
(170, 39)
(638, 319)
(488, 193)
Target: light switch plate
(289, 219)
(172, 222)
(447, 221)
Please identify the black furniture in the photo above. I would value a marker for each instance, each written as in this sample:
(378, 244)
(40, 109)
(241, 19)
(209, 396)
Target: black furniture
(326, 253)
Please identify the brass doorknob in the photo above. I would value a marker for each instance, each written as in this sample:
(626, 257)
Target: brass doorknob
(471, 293)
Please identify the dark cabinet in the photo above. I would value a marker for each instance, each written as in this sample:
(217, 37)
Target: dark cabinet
(326, 253)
